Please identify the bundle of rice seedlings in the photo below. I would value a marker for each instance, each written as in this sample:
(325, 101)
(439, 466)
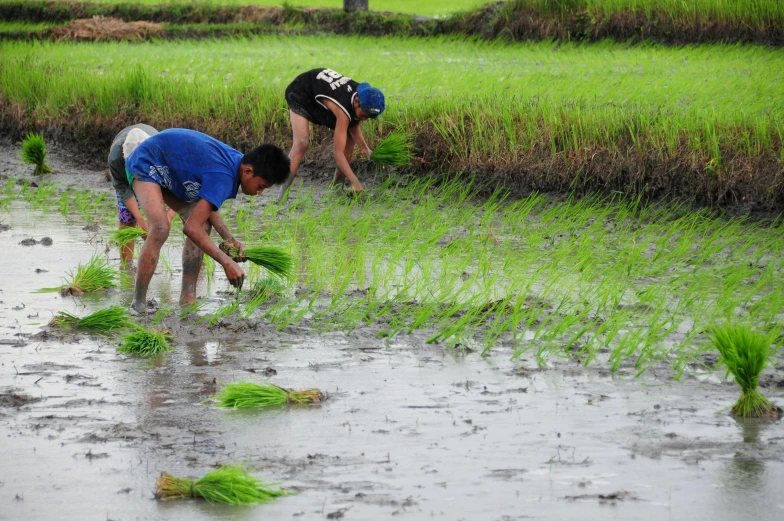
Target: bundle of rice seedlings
(746, 353)
(229, 484)
(268, 287)
(273, 259)
(249, 394)
(394, 150)
(143, 342)
(114, 317)
(34, 152)
(95, 275)
(123, 236)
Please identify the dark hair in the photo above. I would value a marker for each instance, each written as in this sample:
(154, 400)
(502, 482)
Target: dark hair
(269, 162)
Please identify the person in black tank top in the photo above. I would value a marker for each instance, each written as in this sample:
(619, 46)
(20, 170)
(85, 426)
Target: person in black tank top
(327, 98)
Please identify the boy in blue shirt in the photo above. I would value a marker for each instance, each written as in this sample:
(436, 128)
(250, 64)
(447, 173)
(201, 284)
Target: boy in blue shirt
(194, 174)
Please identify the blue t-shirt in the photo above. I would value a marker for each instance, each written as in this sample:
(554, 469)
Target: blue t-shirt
(189, 164)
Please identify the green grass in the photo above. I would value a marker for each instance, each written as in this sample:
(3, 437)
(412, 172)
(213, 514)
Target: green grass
(123, 236)
(34, 152)
(248, 394)
(96, 275)
(395, 150)
(478, 105)
(746, 353)
(232, 485)
(113, 317)
(145, 343)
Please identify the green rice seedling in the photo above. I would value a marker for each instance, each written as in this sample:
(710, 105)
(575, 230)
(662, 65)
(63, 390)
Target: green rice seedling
(394, 150)
(273, 259)
(745, 353)
(145, 343)
(231, 484)
(123, 236)
(269, 287)
(34, 152)
(93, 276)
(249, 394)
(193, 307)
(114, 317)
(163, 311)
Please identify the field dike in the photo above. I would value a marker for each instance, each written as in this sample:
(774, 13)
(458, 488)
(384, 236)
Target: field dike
(629, 164)
(513, 21)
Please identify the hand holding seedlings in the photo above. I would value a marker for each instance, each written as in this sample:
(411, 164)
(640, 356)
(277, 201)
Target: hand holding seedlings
(194, 174)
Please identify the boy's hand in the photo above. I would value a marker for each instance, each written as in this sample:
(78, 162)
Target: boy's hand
(357, 187)
(237, 244)
(367, 151)
(234, 273)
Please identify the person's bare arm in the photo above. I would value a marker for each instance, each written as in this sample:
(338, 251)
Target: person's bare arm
(220, 226)
(133, 207)
(341, 133)
(359, 139)
(196, 231)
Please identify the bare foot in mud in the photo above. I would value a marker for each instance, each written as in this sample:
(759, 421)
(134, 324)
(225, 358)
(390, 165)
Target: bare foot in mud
(137, 309)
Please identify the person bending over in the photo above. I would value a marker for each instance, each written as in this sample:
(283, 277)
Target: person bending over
(327, 98)
(127, 206)
(194, 174)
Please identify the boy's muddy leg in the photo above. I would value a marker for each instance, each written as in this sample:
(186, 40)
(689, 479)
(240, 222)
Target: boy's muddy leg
(299, 126)
(192, 258)
(151, 199)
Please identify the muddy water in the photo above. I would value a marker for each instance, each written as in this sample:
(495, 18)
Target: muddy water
(409, 431)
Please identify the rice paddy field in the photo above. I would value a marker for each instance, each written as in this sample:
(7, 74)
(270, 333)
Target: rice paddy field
(532, 315)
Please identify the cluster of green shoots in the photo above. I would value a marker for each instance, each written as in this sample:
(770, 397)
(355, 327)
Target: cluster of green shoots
(272, 259)
(394, 150)
(34, 152)
(745, 353)
(123, 236)
(96, 275)
(249, 394)
(232, 485)
(111, 318)
(145, 342)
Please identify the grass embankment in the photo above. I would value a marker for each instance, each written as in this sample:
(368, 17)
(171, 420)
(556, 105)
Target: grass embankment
(703, 122)
(584, 278)
(672, 21)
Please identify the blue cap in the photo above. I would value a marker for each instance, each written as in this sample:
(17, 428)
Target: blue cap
(371, 100)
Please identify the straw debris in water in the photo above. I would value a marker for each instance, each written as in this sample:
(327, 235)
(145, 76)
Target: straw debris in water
(232, 485)
(746, 353)
(248, 394)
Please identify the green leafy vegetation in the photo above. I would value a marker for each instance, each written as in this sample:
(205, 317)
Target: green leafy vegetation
(249, 394)
(746, 353)
(395, 150)
(113, 317)
(34, 152)
(145, 343)
(96, 275)
(232, 485)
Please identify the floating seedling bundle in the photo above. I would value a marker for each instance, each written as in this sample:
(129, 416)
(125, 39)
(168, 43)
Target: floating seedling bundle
(746, 353)
(394, 150)
(123, 236)
(34, 152)
(93, 276)
(145, 343)
(273, 259)
(249, 394)
(114, 317)
(232, 485)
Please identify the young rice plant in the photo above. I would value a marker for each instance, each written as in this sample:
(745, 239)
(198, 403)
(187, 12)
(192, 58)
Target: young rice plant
(394, 150)
(746, 353)
(114, 317)
(93, 276)
(145, 343)
(34, 152)
(232, 485)
(249, 394)
(274, 260)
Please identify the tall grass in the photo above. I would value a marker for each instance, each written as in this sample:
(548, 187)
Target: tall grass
(488, 104)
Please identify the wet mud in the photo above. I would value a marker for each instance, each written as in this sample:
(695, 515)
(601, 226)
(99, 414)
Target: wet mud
(409, 430)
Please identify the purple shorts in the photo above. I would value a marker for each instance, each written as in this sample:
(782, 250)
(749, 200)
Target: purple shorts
(126, 217)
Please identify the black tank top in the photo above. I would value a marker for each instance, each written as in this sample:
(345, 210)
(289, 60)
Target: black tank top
(317, 85)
